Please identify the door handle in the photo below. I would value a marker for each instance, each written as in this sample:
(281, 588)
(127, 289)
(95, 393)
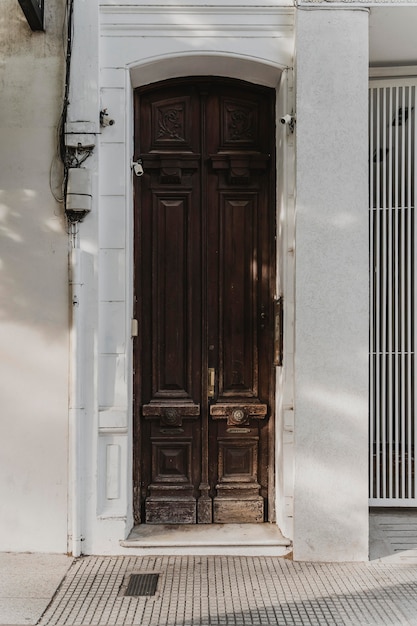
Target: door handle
(211, 383)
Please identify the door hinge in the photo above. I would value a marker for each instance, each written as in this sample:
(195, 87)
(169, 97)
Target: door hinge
(278, 331)
(134, 328)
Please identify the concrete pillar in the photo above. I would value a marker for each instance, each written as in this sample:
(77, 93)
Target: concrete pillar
(331, 368)
(82, 128)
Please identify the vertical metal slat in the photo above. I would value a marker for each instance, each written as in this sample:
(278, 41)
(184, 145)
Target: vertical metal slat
(393, 258)
(372, 359)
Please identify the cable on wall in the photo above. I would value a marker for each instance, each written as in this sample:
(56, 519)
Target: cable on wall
(59, 165)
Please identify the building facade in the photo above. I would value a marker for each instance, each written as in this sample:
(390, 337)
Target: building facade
(216, 190)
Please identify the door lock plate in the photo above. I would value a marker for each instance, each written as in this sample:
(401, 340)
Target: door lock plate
(211, 384)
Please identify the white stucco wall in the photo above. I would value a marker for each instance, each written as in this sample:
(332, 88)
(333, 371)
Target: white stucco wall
(33, 287)
(331, 364)
(328, 421)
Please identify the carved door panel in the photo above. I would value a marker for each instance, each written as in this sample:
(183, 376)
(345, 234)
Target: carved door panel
(204, 234)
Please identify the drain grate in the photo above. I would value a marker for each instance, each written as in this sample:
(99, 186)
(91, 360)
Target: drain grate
(142, 585)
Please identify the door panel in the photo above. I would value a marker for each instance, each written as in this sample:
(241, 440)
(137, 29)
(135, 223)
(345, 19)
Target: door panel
(204, 236)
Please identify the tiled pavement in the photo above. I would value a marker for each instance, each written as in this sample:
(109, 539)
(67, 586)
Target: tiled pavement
(230, 590)
(222, 590)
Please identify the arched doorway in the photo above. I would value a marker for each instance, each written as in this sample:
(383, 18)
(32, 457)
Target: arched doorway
(204, 288)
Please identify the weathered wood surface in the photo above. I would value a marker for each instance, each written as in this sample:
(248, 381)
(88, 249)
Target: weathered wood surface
(204, 241)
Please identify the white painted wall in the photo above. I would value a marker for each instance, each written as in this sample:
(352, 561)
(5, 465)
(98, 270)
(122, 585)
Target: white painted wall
(135, 50)
(330, 515)
(33, 288)
(330, 427)
(331, 364)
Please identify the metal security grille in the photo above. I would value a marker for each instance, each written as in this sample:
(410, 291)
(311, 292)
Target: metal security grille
(393, 176)
(142, 585)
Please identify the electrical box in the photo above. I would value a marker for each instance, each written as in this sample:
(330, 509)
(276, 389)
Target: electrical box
(80, 134)
(79, 194)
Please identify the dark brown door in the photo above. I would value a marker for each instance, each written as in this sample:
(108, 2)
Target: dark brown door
(204, 255)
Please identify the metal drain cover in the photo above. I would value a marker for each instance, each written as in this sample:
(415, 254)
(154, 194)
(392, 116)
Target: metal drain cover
(142, 585)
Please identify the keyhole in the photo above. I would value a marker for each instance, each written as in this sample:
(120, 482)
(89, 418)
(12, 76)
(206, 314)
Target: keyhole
(263, 317)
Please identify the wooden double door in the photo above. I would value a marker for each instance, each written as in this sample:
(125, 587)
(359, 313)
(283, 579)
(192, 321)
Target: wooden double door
(204, 288)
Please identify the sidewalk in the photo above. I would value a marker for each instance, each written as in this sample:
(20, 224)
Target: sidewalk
(27, 584)
(226, 590)
(55, 590)
(221, 590)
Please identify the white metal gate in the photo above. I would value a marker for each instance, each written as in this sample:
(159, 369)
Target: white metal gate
(393, 173)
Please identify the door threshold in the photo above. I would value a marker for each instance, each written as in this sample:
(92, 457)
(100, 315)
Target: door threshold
(199, 539)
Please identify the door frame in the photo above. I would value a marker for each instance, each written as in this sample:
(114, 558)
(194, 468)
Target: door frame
(166, 44)
(282, 442)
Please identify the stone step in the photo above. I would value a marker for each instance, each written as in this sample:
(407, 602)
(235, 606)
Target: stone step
(234, 539)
